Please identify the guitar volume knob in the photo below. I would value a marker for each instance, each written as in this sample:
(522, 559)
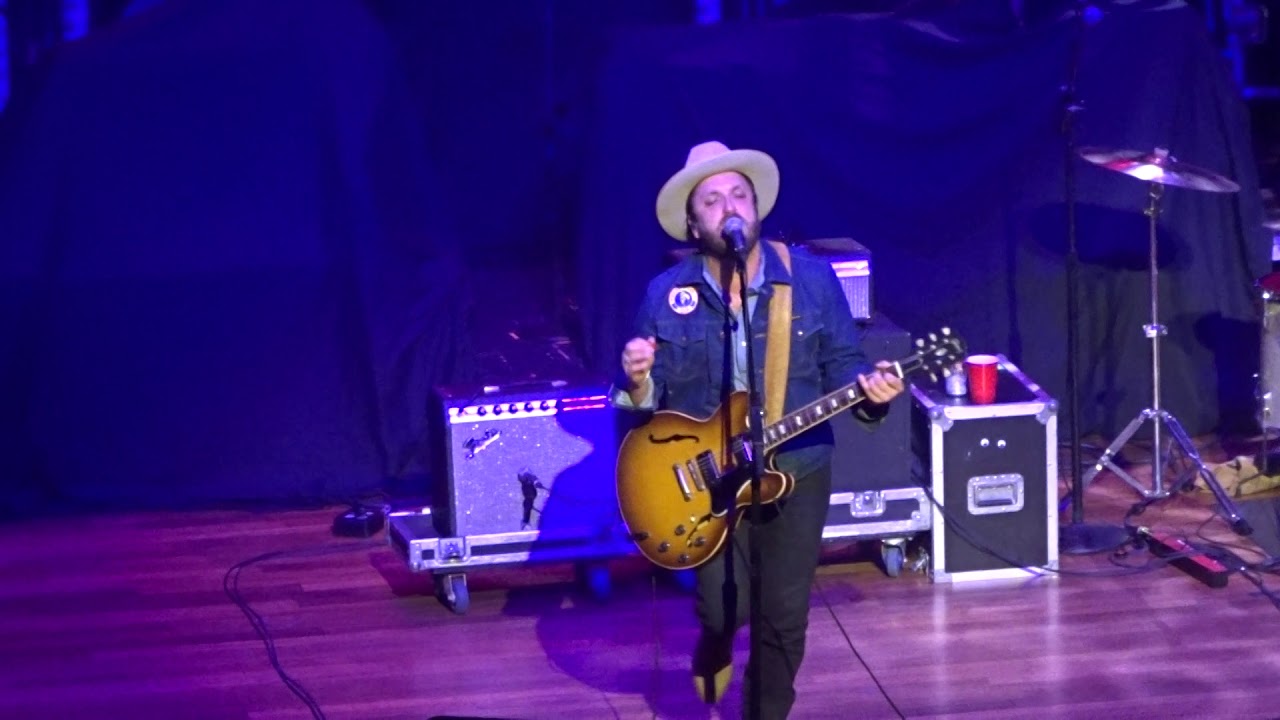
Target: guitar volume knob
(683, 559)
(679, 530)
(664, 546)
(699, 541)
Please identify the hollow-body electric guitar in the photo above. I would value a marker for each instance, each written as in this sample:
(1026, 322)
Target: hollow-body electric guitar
(682, 480)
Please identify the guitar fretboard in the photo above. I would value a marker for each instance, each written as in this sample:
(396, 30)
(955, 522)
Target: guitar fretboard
(817, 412)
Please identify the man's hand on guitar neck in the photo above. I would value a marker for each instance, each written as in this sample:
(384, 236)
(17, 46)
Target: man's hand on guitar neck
(882, 385)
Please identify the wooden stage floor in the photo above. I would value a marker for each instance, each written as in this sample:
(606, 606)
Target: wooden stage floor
(125, 616)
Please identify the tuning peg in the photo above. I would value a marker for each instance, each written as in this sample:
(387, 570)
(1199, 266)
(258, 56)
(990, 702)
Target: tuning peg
(933, 378)
(933, 337)
(919, 342)
(946, 331)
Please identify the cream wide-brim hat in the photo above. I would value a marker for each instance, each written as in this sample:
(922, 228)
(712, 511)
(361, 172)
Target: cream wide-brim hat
(706, 160)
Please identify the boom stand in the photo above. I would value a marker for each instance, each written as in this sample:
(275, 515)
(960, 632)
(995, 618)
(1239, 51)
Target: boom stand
(1077, 537)
(755, 425)
(1162, 419)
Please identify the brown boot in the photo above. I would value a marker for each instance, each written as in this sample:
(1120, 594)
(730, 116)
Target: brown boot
(712, 667)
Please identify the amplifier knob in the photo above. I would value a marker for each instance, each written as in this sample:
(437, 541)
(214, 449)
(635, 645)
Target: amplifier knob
(482, 411)
(497, 409)
(513, 407)
(530, 407)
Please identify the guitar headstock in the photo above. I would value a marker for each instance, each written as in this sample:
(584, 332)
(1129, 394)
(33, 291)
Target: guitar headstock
(938, 353)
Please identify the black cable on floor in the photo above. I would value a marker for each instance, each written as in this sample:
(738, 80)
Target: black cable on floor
(1224, 553)
(231, 586)
(968, 536)
(1221, 551)
(865, 666)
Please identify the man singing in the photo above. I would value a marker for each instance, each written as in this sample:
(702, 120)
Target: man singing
(689, 354)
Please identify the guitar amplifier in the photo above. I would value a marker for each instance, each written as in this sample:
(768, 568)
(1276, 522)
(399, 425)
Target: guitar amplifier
(532, 458)
(523, 474)
(851, 262)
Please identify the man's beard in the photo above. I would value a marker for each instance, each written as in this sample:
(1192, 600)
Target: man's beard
(714, 243)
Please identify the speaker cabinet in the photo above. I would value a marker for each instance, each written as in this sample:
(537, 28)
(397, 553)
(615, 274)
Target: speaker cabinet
(875, 458)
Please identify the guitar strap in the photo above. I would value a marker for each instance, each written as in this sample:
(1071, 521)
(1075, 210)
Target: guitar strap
(778, 342)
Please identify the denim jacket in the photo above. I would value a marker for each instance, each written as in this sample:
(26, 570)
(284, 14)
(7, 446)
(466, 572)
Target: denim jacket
(690, 373)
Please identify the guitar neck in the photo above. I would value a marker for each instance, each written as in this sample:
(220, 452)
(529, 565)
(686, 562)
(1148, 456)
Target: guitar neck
(817, 412)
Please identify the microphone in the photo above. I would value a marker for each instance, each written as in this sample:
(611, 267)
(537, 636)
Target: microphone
(735, 234)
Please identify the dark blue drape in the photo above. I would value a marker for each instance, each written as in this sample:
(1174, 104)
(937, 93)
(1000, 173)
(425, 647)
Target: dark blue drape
(940, 148)
(231, 253)
(223, 277)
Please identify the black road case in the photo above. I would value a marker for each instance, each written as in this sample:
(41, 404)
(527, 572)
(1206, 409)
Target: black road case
(993, 473)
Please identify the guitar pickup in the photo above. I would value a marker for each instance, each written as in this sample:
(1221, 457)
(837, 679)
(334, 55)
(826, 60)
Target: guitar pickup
(697, 476)
(682, 481)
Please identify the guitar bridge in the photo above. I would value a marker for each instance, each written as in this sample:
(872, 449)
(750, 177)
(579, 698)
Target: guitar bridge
(709, 469)
(742, 450)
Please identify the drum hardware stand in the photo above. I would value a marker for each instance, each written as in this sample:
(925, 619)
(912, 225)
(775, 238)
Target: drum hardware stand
(1161, 418)
(1266, 461)
(1264, 399)
(1265, 380)
(1268, 458)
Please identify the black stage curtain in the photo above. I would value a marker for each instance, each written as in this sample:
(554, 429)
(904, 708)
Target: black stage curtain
(939, 146)
(223, 277)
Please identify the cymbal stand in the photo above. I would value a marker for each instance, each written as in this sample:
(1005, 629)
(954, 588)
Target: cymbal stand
(1160, 418)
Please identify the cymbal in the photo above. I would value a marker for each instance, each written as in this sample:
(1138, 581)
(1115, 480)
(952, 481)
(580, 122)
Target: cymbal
(1158, 167)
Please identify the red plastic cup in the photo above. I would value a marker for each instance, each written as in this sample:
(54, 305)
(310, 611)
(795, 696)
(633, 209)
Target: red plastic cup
(982, 371)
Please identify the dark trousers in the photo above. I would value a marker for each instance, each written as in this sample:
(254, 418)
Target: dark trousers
(790, 542)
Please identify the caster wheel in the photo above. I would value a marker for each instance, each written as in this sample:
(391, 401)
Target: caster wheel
(685, 580)
(451, 589)
(595, 579)
(893, 556)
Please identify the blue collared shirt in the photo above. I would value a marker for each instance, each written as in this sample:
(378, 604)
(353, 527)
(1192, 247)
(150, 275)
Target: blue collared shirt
(739, 328)
(622, 399)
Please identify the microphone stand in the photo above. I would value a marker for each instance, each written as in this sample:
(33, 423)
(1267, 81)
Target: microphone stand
(1077, 538)
(755, 428)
